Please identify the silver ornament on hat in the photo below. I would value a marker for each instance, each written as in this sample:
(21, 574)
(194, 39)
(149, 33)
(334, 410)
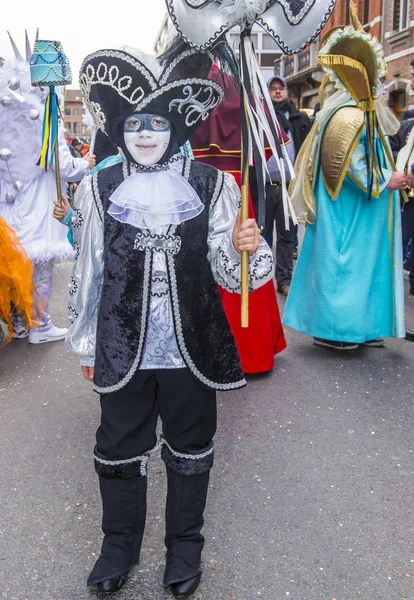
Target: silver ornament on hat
(34, 114)
(10, 198)
(18, 186)
(5, 101)
(13, 83)
(5, 154)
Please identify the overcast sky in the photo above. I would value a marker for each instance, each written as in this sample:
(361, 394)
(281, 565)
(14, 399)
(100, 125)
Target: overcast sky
(82, 26)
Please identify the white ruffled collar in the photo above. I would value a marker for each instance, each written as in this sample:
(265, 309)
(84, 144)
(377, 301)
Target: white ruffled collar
(153, 197)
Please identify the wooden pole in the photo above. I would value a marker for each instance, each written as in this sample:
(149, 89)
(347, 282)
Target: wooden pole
(57, 174)
(244, 214)
(391, 160)
(56, 151)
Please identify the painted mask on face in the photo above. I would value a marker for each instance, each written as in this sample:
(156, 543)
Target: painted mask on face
(146, 137)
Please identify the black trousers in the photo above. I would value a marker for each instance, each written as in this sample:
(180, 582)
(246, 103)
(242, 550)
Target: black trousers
(408, 234)
(187, 409)
(285, 238)
(285, 243)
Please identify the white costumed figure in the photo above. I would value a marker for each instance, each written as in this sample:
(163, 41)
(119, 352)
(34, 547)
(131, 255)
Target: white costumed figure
(27, 192)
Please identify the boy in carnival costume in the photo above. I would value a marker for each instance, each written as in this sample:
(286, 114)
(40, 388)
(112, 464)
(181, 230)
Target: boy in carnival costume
(348, 284)
(153, 236)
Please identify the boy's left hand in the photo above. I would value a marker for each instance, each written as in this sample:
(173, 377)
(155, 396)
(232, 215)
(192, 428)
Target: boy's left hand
(61, 212)
(246, 235)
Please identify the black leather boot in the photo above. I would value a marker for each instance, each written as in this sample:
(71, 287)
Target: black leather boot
(188, 477)
(123, 486)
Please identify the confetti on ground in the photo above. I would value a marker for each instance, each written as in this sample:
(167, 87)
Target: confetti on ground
(44, 404)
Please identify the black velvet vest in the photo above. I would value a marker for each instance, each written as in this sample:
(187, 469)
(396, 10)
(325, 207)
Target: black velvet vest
(203, 334)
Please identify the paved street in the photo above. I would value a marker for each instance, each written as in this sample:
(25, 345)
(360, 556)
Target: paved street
(311, 495)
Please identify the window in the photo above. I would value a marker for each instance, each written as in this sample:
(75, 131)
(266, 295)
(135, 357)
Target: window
(76, 112)
(365, 12)
(397, 102)
(76, 128)
(268, 60)
(67, 112)
(268, 43)
(400, 15)
(345, 10)
(69, 127)
(234, 41)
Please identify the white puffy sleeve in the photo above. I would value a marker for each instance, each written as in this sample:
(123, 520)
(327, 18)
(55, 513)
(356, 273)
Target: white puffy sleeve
(71, 169)
(86, 282)
(223, 257)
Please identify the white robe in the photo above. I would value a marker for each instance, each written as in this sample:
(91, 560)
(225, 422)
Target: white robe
(43, 237)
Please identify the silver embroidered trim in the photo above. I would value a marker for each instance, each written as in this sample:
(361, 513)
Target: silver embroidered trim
(153, 168)
(125, 169)
(73, 288)
(180, 338)
(190, 456)
(126, 58)
(157, 242)
(119, 462)
(281, 43)
(159, 286)
(97, 197)
(295, 19)
(291, 17)
(135, 364)
(164, 76)
(77, 217)
(143, 459)
(217, 189)
(103, 75)
(196, 3)
(191, 105)
(178, 84)
(187, 169)
(224, 28)
(96, 110)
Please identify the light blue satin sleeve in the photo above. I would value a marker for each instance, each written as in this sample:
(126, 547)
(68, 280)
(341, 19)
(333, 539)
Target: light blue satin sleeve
(87, 276)
(224, 259)
(358, 170)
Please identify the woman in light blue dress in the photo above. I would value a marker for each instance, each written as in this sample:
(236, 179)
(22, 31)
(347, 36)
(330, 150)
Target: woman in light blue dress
(347, 288)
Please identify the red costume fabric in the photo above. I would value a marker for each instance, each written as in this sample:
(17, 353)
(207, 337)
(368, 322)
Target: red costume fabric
(217, 142)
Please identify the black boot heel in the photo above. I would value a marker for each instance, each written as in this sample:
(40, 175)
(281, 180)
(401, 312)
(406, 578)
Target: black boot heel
(183, 589)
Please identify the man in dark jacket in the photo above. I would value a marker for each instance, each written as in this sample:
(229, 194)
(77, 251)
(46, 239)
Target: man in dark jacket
(397, 142)
(296, 125)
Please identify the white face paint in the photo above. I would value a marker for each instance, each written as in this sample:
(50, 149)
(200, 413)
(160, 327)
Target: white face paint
(146, 137)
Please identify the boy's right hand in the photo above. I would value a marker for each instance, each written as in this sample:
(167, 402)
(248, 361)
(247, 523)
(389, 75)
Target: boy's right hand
(88, 372)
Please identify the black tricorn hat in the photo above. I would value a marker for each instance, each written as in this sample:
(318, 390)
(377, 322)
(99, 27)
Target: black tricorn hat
(116, 84)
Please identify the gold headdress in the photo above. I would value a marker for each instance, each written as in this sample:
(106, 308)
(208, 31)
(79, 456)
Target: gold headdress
(354, 61)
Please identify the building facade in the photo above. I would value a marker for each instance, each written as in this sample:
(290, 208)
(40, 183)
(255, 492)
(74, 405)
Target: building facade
(390, 21)
(73, 114)
(266, 48)
(398, 42)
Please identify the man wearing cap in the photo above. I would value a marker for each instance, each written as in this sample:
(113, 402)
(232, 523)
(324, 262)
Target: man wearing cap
(296, 125)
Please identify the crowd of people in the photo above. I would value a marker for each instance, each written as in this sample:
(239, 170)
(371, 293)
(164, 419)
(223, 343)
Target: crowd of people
(156, 237)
